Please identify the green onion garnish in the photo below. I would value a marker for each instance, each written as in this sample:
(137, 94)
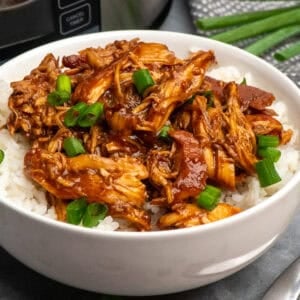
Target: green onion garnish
(209, 197)
(63, 83)
(209, 96)
(75, 211)
(267, 141)
(244, 81)
(72, 115)
(90, 214)
(142, 80)
(90, 115)
(266, 172)
(57, 98)
(190, 100)
(73, 146)
(1, 156)
(63, 91)
(269, 152)
(164, 133)
(95, 212)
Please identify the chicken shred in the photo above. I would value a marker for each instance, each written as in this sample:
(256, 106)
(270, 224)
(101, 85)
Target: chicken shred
(127, 164)
(188, 215)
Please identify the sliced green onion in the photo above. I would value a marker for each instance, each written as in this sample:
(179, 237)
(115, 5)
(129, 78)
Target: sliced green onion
(142, 80)
(266, 172)
(75, 211)
(267, 141)
(289, 52)
(90, 115)
(190, 100)
(63, 83)
(269, 152)
(63, 91)
(73, 146)
(209, 197)
(58, 98)
(94, 214)
(209, 96)
(1, 156)
(72, 115)
(164, 133)
(244, 81)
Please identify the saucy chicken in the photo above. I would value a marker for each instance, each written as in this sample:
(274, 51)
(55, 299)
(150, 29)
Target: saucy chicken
(126, 162)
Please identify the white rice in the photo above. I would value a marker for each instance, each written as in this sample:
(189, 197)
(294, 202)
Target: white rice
(251, 193)
(18, 189)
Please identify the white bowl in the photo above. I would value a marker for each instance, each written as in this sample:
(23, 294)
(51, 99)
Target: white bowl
(151, 263)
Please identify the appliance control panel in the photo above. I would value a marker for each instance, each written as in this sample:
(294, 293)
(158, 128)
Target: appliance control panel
(36, 22)
(76, 15)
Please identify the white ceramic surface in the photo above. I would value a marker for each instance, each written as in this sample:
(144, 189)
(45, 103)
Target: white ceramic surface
(150, 263)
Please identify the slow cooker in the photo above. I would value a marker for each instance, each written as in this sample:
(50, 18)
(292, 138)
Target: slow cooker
(25, 24)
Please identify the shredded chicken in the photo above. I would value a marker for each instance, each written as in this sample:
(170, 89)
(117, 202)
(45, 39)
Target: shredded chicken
(188, 215)
(28, 102)
(183, 84)
(127, 164)
(99, 179)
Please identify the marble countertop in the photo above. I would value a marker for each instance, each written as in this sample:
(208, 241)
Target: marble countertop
(19, 282)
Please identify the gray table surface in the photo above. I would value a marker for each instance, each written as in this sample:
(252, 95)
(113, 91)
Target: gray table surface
(19, 282)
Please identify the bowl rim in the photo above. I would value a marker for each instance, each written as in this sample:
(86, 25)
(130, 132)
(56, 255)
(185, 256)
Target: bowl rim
(233, 220)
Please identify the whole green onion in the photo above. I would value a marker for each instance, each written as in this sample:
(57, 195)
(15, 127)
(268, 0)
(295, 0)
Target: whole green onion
(209, 197)
(58, 98)
(288, 53)
(267, 141)
(73, 146)
(94, 213)
(269, 152)
(1, 155)
(63, 83)
(72, 115)
(272, 39)
(237, 19)
(281, 20)
(142, 80)
(90, 115)
(266, 172)
(75, 210)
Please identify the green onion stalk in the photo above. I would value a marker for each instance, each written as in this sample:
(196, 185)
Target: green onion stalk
(218, 22)
(255, 28)
(288, 53)
(272, 39)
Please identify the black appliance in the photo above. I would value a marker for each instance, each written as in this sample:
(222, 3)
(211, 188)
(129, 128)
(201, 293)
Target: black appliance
(26, 24)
